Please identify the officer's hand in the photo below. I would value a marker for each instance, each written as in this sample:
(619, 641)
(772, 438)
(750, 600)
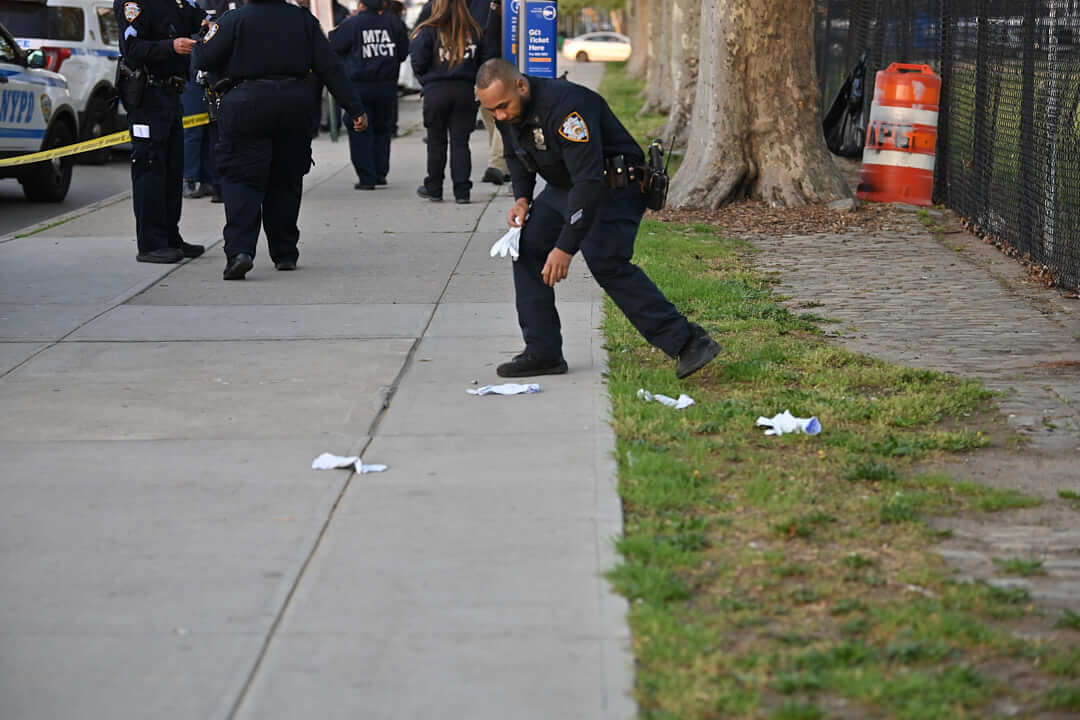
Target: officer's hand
(360, 124)
(182, 45)
(556, 268)
(516, 217)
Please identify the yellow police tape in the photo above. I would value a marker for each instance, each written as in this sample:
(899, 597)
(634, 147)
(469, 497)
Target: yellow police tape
(104, 141)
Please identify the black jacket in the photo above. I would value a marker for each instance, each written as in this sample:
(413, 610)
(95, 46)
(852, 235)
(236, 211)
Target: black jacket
(428, 57)
(147, 30)
(373, 44)
(270, 38)
(565, 135)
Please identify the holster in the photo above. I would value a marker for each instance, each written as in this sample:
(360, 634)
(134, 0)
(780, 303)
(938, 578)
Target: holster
(656, 178)
(131, 84)
(616, 172)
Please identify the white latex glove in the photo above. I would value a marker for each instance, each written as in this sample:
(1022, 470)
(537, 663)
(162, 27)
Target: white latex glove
(684, 401)
(508, 243)
(785, 422)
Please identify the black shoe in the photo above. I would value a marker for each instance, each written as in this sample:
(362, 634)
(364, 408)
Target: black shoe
(423, 192)
(381, 181)
(362, 186)
(191, 251)
(285, 265)
(698, 351)
(191, 189)
(165, 256)
(205, 190)
(493, 176)
(462, 200)
(526, 365)
(237, 267)
(215, 195)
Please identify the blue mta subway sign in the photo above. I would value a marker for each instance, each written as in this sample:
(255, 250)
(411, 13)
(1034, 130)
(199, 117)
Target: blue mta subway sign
(511, 25)
(539, 38)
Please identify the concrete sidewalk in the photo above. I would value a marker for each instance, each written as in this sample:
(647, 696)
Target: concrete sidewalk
(165, 549)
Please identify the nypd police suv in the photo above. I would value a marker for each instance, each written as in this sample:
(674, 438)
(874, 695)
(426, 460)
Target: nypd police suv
(35, 114)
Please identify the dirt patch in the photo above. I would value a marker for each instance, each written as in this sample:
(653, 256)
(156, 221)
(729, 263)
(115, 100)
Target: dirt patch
(753, 219)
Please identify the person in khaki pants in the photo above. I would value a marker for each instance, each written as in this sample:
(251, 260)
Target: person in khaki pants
(497, 172)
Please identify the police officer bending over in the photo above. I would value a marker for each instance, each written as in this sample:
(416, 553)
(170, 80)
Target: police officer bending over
(264, 51)
(155, 46)
(568, 135)
(374, 43)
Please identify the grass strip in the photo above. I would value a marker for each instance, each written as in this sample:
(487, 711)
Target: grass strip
(793, 577)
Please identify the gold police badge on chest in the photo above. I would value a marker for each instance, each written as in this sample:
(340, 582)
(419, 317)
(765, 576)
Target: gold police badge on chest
(538, 139)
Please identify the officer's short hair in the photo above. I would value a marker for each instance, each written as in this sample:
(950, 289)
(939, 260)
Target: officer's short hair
(497, 70)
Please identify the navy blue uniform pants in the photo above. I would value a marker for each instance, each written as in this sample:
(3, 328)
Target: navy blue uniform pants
(449, 112)
(264, 151)
(370, 150)
(157, 169)
(608, 249)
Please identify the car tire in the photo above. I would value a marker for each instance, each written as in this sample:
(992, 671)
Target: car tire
(582, 56)
(49, 180)
(101, 119)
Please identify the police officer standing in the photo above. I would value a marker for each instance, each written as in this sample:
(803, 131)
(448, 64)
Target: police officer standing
(569, 136)
(374, 43)
(263, 52)
(154, 48)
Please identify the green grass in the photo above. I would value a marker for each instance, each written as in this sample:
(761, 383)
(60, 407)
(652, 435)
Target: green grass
(1024, 567)
(765, 573)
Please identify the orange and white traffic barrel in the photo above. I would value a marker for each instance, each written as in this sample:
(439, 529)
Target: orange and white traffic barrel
(901, 137)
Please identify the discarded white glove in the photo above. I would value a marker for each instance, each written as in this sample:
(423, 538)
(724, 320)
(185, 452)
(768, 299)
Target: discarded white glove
(508, 243)
(327, 461)
(684, 401)
(506, 389)
(785, 422)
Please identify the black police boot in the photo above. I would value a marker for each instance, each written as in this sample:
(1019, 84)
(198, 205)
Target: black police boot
(363, 186)
(215, 194)
(381, 181)
(493, 176)
(191, 251)
(164, 256)
(463, 199)
(423, 192)
(698, 351)
(237, 267)
(526, 365)
(285, 265)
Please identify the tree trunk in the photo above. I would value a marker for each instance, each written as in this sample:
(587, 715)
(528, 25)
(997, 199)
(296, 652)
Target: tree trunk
(655, 69)
(686, 43)
(639, 39)
(658, 94)
(755, 130)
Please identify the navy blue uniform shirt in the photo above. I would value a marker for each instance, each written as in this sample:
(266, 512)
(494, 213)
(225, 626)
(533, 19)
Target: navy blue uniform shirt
(565, 134)
(147, 30)
(270, 38)
(373, 44)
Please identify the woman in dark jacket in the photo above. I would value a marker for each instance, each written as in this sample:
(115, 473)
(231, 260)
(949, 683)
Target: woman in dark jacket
(446, 51)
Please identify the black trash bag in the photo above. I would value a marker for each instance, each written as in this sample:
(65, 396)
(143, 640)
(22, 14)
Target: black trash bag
(845, 131)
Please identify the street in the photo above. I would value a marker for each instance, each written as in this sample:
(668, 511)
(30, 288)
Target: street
(89, 184)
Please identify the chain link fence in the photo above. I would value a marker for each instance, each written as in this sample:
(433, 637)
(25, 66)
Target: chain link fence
(1008, 154)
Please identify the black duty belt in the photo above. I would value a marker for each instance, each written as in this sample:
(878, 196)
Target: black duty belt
(618, 173)
(270, 79)
(170, 83)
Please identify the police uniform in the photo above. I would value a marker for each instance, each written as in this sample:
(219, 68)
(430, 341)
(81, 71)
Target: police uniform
(147, 30)
(449, 109)
(374, 44)
(265, 50)
(568, 135)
